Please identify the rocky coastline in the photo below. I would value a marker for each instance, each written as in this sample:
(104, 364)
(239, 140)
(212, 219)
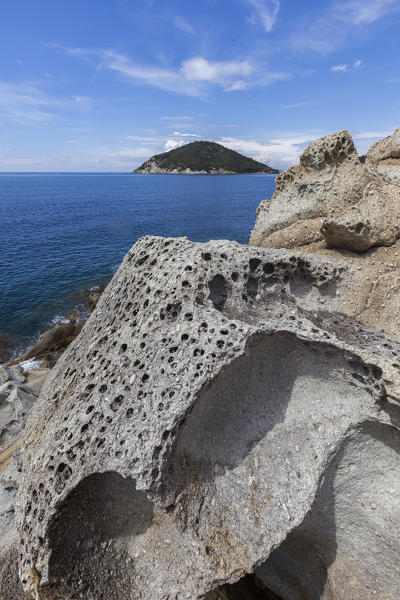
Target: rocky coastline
(226, 424)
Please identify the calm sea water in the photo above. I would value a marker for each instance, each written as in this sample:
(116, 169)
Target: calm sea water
(61, 232)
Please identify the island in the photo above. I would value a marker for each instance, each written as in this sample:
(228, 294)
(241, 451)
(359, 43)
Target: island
(202, 158)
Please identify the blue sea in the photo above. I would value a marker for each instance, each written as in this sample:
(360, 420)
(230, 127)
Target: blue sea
(64, 232)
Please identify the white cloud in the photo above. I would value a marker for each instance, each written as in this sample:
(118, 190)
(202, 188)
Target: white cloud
(83, 101)
(356, 65)
(295, 105)
(370, 135)
(24, 102)
(140, 138)
(173, 144)
(327, 29)
(360, 12)
(220, 72)
(178, 118)
(339, 68)
(364, 139)
(195, 76)
(266, 11)
(183, 25)
(128, 154)
(164, 79)
(185, 134)
(276, 152)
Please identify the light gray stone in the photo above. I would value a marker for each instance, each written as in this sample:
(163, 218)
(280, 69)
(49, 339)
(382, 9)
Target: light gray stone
(16, 400)
(330, 197)
(384, 156)
(186, 432)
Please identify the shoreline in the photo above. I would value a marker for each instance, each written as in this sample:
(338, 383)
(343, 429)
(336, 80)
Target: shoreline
(51, 341)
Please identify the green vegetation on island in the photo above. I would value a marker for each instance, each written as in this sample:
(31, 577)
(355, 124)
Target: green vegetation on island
(203, 157)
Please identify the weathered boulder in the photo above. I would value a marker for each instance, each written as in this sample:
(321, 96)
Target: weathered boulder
(16, 400)
(349, 536)
(10, 586)
(374, 221)
(187, 431)
(384, 155)
(370, 282)
(330, 196)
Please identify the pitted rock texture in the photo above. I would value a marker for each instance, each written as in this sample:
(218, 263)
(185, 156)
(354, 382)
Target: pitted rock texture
(330, 197)
(368, 289)
(16, 400)
(384, 155)
(186, 432)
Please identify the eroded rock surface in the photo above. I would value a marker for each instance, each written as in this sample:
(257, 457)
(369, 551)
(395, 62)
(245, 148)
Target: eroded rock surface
(346, 547)
(384, 155)
(357, 206)
(185, 435)
(330, 197)
(16, 400)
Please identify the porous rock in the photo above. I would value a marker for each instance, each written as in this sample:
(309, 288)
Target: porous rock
(185, 434)
(330, 197)
(11, 426)
(368, 289)
(384, 155)
(10, 586)
(16, 400)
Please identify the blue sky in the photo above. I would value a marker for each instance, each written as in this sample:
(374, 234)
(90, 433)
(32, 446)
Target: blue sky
(101, 85)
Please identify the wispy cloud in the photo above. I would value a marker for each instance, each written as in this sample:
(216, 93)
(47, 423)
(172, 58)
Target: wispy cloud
(196, 76)
(24, 102)
(200, 69)
(326, 30)
(265, 11)
(178, 118)
(296, 105)
(364, 12)
(339, 68)
(356, 65)
(364, 139)
(183, 25)
(280, 152)
(370, 135)
(178, 133)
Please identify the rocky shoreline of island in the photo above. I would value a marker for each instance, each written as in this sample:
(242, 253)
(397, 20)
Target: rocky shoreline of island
(203, 158)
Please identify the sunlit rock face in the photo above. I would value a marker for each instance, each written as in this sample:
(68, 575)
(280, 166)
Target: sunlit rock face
(193, 429)
(384, 156)
(347, 214)
(332, 197)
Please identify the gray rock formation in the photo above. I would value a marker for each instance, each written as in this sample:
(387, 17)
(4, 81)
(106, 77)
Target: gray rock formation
(214, 409)
(369, 287)
(384, 155)
(330, 196)
(16, 400)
